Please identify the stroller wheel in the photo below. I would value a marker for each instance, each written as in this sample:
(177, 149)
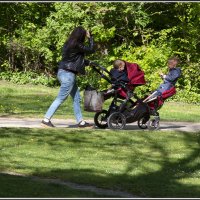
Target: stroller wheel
(116, 121)
(100, 119)
(153, 124)
(142, 123)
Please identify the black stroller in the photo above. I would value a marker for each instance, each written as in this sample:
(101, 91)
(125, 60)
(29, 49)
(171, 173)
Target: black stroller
(123, 109)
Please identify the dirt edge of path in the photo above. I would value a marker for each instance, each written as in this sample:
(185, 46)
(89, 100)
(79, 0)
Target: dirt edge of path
(88, 188)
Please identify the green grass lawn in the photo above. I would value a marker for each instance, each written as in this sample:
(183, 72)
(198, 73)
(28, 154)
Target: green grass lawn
(146, 164)
(33, 101)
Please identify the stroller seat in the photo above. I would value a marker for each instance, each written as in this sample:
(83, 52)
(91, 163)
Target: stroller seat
(157, 102)
(169, 93)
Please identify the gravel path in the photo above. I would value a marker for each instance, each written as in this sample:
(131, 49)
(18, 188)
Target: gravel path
(70, 123)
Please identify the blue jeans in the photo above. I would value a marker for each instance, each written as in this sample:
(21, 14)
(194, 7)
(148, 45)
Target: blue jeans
(68, 87)
(162, 88)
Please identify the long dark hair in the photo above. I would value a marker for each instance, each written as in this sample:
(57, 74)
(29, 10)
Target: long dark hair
(76, 36)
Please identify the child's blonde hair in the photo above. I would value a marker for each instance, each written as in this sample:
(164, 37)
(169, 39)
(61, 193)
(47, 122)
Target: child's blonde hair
(174, 58)
(117, 63)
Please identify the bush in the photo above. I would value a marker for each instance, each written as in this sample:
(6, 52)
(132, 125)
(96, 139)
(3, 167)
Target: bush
(186, 97)
(28, 77)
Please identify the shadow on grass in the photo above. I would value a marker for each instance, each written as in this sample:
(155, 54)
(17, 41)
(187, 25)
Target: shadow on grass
(167, 182)
(18, 186)
(135, 127)
(173, 178)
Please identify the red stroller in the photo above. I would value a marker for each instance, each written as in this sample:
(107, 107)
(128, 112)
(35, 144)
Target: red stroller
(123, 109)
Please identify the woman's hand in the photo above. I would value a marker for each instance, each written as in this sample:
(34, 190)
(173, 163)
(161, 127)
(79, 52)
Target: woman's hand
(88, 34)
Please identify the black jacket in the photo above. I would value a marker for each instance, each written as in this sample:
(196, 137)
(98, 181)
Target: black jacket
(73, 58)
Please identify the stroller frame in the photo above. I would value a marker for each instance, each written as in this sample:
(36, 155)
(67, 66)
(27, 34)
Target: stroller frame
(117, 116)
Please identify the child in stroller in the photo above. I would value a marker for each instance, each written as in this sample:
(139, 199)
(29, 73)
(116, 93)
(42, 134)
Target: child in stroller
(164, 91)
(169, 80)
(121, 74)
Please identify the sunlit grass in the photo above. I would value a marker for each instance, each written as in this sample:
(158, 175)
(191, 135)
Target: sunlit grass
(33, 101)
(178, 111)
(153, 164)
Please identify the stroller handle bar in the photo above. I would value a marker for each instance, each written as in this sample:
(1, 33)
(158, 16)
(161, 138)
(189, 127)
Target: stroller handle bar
(113, 81)
(96, 66)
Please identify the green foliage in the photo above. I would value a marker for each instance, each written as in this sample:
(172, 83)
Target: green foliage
(186, 96)
(28, 77)
(146, 33)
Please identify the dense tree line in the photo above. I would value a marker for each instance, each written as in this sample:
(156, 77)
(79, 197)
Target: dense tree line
(32, 34)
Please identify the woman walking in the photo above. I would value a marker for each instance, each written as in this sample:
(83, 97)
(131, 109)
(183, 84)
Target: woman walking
(71, 65)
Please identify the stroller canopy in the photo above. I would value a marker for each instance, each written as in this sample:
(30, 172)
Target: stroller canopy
(135, 74)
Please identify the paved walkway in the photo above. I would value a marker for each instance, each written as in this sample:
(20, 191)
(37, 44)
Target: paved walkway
(70, 123)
